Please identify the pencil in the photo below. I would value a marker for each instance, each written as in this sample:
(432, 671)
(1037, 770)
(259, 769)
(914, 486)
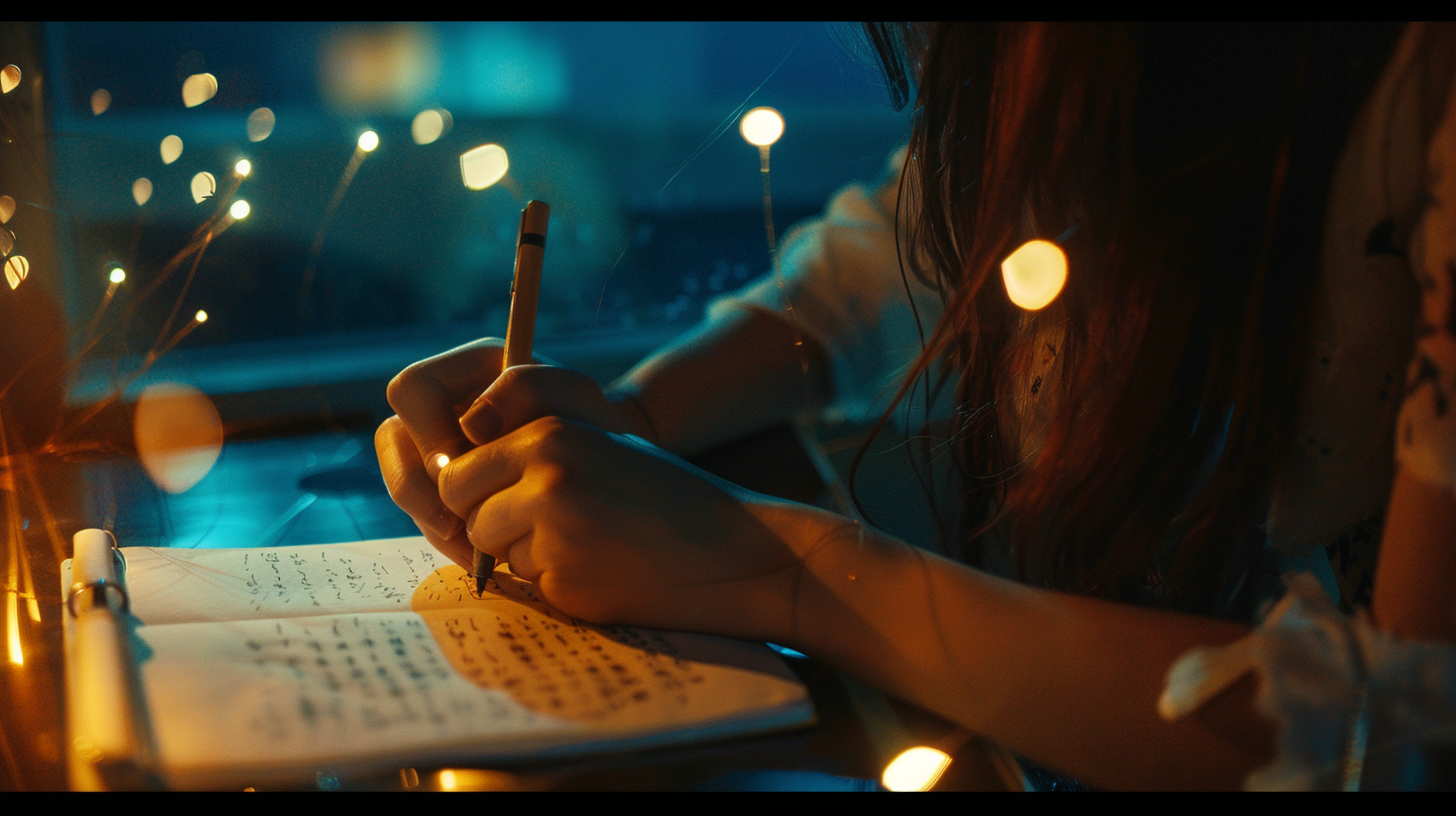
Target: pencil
(521, 325)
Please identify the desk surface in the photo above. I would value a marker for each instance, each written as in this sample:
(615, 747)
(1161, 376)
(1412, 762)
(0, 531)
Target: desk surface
(326, 487)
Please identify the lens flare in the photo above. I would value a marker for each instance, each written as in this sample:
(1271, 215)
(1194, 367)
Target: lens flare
(483, 166)
(761, 126)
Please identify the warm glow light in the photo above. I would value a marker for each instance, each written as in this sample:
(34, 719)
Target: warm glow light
(9, 78)
(7, 241)
(117, 275)
(203, 186)
(447, 780)
(178, 434)
(16, 268)
(483, 166)
(441, 460)
(368, 140)
(1034, 274)
(243, 168)
(171, 149)
(100, 101)
(7, 208)
(761, 126)
(198, 88)
(141, 190)
(200, 317)
(239, 210)
(260, 124)
(916, 769)
(428, 126)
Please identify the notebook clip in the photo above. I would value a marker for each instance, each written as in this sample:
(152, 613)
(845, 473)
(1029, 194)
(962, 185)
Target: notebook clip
(97, 595)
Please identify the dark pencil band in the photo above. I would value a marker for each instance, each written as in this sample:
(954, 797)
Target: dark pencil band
(521, 325)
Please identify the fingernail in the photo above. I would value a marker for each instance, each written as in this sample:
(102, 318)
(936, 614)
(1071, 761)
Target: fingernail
(482, 423)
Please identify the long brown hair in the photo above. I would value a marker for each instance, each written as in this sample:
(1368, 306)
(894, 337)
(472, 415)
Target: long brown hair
(1184, 171)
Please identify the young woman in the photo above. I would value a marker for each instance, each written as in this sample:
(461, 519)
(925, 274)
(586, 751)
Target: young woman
(1213, 397)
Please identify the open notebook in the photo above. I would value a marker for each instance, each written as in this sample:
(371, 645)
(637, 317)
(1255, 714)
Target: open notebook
(264, 665)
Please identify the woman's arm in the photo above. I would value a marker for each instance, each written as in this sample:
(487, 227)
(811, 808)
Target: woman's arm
(618, 532)
(727, 379)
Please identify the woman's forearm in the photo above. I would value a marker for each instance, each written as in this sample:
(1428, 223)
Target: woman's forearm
(725, 380)
(1067, 681)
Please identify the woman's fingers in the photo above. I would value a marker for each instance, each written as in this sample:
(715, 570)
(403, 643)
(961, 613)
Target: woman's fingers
(410, 487)
(425, 396)
(525, 393)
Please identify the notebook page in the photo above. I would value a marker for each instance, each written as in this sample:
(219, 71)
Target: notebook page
(176, 585)
(499, 676)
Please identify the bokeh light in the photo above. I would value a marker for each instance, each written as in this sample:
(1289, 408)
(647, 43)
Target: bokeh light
(100, 101)
(7, 208)
(260, 124)
(427, 126)
(761, 126)
(141, 190)
(483, 166)
(1034, 274)
(239, 210)
(7, 241)
(117, 274)
(203, 186)
(915, 769)
(178, 435)
(368, 140)
(243, 168)
(200, 317)
(171, 149)
(198, 88)
(9, 78)
(16, 268)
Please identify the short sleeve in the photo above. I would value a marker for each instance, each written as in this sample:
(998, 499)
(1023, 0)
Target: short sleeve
(1426, 430)
(1356, 708)
(841, 274)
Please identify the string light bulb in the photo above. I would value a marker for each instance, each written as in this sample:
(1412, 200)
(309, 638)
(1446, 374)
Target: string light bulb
(200, 317)
(915, 769)
(243, 168)
(368, 140)
(117, 275)
(1034, 274)
(239, 210)
(761, 127)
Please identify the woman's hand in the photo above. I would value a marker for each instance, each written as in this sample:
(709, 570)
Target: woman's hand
(614, 530)
(448, 404)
